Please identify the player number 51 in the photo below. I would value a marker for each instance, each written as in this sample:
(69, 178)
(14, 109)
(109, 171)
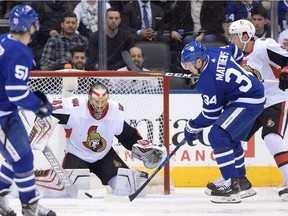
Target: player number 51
(21, 72)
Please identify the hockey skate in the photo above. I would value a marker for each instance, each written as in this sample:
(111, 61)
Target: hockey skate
(5, 210)
(228, 192)
(245, 186)
(284, 194)
(283, 191)
(33, 208)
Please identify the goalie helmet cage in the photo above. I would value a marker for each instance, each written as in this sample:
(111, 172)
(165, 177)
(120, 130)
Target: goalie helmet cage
(145, 99)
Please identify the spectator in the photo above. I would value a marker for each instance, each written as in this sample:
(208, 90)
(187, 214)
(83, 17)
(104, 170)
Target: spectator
(145, 21)
(240, 9)
(56, 52)
(189, 21)
(79, 58)
(259, 18)
(119, 5)
(118, 40)
(282, 14)
(87, 16)
(50, 15)
(137, 57)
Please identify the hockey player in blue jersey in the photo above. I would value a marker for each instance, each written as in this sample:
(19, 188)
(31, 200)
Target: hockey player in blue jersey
(232, 99)
(16, 62)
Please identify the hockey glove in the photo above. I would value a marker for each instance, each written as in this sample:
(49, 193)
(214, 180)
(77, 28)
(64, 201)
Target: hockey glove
(151, 155)
(283, 79)
(192, 133)
(46, 107)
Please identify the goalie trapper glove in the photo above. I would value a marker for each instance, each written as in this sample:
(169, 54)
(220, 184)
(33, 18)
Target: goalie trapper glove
(191, 133)
(283, 79)
(151, 155)
(46, 107)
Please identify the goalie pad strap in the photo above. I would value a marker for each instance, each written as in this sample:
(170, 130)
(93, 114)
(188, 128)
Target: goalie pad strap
(128, 181)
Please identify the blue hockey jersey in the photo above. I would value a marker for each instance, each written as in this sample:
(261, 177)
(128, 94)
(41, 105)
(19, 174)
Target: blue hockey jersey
(16, 62)
(235, 52)
(224, 83)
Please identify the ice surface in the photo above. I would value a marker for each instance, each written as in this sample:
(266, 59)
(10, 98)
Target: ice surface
(185, 201)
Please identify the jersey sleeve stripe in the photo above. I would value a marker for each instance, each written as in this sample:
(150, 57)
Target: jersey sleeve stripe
(210, 117)
(213, 110)
(16, 87)
(19, 97)
(249, 100)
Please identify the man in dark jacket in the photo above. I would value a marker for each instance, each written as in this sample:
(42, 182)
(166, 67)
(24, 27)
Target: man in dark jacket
(144, 20)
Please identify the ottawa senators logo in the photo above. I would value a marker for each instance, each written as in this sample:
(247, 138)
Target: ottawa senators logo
(253, 71)
(270, 123)
(94, 141)
(117, 163)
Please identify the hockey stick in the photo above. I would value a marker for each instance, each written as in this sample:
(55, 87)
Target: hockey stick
(70, 188)
(131, 197)
(130, 64)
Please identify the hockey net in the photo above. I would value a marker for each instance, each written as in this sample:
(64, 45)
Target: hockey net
(145, 99)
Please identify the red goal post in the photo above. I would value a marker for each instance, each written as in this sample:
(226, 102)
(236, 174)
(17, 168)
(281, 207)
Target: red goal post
(145, 98)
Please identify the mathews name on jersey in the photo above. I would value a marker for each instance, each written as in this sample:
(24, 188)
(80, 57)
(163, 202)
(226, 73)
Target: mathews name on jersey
(224, 83)
(88, 138)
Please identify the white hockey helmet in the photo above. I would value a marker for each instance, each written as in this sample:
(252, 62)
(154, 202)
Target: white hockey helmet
(242, 26)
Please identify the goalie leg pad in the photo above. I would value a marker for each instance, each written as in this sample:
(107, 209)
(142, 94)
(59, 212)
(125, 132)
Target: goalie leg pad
(49, 185)
(151, 155)
(128, 181)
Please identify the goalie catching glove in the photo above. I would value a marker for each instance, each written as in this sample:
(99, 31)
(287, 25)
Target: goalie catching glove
(150, 154)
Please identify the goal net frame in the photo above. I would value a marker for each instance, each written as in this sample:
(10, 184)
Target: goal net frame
(71, 76)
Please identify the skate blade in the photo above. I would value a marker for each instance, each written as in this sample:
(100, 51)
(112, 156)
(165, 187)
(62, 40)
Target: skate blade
(284, 197)
(247, 193)
(235, 198)
(208, 192)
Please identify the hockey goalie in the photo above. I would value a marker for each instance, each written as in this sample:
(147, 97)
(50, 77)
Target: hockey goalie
(90, 124)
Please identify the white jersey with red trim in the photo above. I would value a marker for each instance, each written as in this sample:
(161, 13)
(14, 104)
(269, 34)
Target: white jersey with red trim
(266, 61)
(88, 138)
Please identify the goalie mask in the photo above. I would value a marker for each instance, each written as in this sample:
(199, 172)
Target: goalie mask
(98, 98)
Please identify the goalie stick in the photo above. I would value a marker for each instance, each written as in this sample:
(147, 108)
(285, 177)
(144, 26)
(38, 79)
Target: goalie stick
(130, 198)
(130, 64)
(70, 188)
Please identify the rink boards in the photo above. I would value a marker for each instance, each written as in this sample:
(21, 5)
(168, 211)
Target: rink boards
(194, 165)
